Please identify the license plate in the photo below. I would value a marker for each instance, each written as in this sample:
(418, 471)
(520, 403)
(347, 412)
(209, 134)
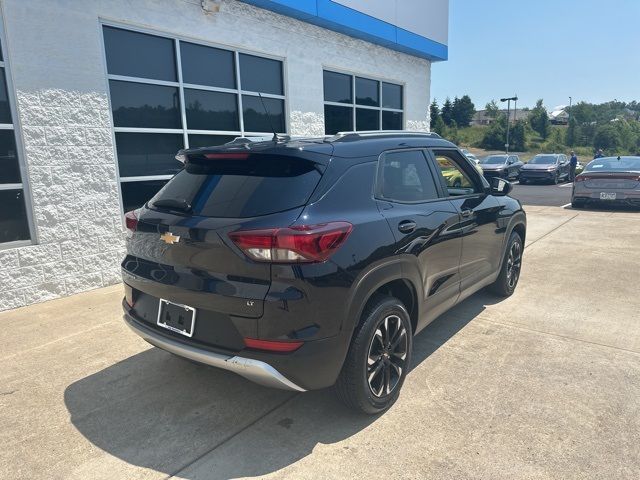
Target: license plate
(176, 317)
(607, 196)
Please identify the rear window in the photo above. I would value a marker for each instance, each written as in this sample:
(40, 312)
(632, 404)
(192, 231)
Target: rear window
(239, 188)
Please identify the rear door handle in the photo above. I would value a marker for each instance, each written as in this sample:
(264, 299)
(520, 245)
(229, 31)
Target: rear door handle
(407, 226)
(466, 212)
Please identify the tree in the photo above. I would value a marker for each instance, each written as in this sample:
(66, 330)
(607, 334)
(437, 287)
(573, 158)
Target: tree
(539, 120)
(518, 136)
(492, 109)
(574, 133)
(447, 112)
(495, 135)
(439, 126)
(607, 137)
(463, 110)
(434, 114)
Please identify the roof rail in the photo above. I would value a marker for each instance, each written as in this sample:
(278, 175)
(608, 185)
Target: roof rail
(365, 133)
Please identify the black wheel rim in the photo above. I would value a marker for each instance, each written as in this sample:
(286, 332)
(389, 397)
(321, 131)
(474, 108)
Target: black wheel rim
(386, 362)
(514, 263)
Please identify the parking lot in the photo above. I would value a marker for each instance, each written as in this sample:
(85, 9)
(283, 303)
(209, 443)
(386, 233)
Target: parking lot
(543, 385)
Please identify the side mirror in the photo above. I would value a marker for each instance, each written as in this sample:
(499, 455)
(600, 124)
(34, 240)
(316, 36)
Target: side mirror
(500, 187)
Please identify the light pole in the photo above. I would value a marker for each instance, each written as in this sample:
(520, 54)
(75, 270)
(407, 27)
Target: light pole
(508, 100)
(569, 122)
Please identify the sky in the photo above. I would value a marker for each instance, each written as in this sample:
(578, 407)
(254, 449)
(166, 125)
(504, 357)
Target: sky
(549, 49)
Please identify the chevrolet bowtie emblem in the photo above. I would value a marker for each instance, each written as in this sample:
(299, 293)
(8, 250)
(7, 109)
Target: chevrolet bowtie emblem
(170, 238)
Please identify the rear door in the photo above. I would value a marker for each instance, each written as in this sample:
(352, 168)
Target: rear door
(181, 249)
(480, 218)
(423, 223)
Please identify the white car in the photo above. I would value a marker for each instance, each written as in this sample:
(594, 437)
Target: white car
(471, 156)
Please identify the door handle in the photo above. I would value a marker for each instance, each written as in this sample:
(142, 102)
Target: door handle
(466, 212)
(407, 226)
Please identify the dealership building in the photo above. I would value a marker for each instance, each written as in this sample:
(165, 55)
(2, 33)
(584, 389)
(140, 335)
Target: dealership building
(97, 96)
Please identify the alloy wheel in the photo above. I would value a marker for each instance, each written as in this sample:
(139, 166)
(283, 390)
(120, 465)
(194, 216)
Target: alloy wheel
(386, 362)
(514, 263)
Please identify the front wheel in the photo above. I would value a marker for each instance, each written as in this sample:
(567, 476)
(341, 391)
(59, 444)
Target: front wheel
(509, 275)
(378, 358)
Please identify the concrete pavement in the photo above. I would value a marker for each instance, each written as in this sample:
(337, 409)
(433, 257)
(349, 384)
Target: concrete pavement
(543, 385)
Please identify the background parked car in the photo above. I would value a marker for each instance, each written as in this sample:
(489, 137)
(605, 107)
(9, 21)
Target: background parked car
(545, 167)
(504, 166)
(611, 180)
(470, 156)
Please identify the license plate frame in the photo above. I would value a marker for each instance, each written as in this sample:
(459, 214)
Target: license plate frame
(164, 320)
(608, 195)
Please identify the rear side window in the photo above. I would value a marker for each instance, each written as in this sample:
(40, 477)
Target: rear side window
(239, 188)
(405, 177)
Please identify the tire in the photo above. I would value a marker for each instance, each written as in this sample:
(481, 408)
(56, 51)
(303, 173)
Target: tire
(577, 204)
(523, 181)
(556, 179)
(507, 280)
(384, 321)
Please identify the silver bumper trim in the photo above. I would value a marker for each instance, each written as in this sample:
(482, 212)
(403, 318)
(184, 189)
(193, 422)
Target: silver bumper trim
(254, 370)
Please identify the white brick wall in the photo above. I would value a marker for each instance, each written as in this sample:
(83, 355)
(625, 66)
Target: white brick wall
(55, 55)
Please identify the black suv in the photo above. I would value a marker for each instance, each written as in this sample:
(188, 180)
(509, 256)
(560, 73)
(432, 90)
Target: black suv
(305, 263)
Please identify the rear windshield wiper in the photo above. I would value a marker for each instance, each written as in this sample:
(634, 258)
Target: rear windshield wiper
(173, 204)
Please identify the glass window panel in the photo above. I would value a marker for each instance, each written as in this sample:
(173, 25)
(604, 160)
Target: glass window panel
(337, 119)
(391, 95)
(198, 141)
(211, 110)
(9, 167)
(1, 57)
(367, 92)
(255, 117)
(143, 105)
(148, 153)
(207, 66)
(367, 119)
(259, 74)
(405, 177)
(139, 55)
(136, 194)
(13, 216)
(5, 110)
(337, 87)
(391, 120)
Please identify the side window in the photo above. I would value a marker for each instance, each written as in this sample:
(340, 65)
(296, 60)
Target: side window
(405, 177)
(453, 176)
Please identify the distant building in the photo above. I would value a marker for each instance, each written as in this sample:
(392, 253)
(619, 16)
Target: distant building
(559, 115)
(482, 117)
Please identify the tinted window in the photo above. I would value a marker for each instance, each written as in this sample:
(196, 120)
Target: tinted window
(629, 164)
(367, 92)
(5, 110)
(211, 110)
(405, 177)
(337, 87)
(337, 119)
(143, 105)
(255, 117)
(367, 119)
(197, 141)
(136, 194)
(207, 66)
(141, 154)
(543, 160)
(9, 167)
(391, 120)
(139, 55)
(391, 95)
(259, 185)
(13, 216)
(495, 160)
(259, 74)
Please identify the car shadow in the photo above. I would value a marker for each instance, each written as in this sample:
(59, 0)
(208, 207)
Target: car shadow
(161, 412)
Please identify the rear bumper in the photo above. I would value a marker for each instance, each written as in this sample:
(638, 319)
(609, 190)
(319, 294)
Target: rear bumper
(255, 370)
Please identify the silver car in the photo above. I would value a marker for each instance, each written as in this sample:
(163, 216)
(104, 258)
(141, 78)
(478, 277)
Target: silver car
(610, 180)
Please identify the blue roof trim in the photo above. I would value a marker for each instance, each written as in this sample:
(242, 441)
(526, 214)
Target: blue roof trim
(337, 17)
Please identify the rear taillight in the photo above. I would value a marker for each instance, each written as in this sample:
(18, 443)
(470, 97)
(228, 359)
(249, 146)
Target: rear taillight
(279, 346)
(299, 244)
(579, 178)
(227, 156)
(131, 220)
